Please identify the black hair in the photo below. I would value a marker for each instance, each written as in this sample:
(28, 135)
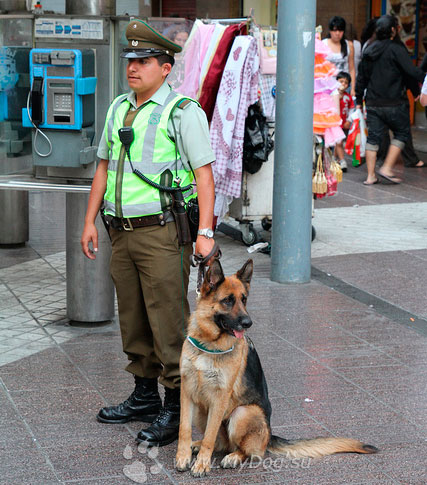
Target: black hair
(338, 23)
(344, 75)
(384, 27)
(368, 31)
(164, 59)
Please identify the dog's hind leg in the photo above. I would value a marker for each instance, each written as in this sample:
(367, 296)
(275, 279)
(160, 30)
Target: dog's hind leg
(248, 432)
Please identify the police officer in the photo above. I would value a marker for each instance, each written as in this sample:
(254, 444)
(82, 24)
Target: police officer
(150, 269)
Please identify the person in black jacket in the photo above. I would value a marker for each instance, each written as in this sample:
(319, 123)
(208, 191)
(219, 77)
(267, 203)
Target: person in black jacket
(385, 73)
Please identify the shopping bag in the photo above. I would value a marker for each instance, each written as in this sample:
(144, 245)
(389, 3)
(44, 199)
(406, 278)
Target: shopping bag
(332, 184)
(319, 182)
(363, 134)
(356, 139)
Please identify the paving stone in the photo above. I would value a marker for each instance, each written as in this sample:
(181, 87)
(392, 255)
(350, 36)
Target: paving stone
(333, 365)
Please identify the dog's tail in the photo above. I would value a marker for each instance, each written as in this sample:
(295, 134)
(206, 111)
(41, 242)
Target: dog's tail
(317, 447)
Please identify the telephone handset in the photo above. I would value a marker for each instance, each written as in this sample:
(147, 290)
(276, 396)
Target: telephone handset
(62, 98)
(37, 101)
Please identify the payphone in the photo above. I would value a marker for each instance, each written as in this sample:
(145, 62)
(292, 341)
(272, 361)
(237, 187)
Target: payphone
(61, 107)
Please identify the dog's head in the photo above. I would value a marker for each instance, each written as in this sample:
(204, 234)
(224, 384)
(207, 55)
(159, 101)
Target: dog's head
(224, 298)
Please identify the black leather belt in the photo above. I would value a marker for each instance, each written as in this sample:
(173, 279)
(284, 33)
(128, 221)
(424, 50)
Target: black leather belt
(131, 223)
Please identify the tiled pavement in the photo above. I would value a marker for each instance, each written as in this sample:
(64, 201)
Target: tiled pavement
(335, 364)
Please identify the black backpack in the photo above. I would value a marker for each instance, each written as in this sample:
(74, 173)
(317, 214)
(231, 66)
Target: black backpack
(258, 143)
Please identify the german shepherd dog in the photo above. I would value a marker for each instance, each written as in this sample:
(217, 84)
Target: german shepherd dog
(223, 388)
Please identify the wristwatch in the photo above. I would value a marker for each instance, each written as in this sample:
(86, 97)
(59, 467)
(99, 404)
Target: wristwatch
(207, 232)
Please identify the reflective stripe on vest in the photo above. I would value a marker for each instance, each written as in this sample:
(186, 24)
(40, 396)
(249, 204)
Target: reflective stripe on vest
(152, 152)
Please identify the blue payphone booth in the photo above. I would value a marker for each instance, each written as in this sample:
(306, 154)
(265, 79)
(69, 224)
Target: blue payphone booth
(61, 107)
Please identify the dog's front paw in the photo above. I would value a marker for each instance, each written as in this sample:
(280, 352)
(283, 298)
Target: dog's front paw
(182, 461)
(233, 460)
(201, 467)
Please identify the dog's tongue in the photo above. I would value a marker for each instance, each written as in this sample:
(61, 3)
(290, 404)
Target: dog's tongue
(238, 334)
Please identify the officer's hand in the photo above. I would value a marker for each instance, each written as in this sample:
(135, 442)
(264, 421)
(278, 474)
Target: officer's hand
(204, 246)
(89, 235)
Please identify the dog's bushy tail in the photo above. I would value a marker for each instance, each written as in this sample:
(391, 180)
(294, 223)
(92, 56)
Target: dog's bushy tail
(317, 447)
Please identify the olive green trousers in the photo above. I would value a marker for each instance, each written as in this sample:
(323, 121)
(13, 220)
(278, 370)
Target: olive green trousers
(151, 272)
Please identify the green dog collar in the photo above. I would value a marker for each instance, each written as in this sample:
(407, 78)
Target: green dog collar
(201, 347)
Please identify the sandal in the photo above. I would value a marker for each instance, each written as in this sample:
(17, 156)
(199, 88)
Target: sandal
(390, 178)
(377, 181)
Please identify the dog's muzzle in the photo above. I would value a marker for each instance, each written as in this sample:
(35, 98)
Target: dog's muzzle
(236, 327)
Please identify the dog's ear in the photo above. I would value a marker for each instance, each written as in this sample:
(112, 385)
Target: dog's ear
(245, 272)
(213, 278)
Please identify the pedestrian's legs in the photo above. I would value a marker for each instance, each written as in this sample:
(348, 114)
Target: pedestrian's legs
(390, 161)
(371, 159)
(410, 158)
(376, 129)
(397, 118)
(339, 150)
(384, 144)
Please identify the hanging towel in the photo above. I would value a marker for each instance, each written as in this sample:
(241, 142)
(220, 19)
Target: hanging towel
(210, 86)
(238, 91)
(210, 54)
(193, 57)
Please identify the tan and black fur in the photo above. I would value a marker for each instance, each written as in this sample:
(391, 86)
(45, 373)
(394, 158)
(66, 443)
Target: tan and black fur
(226, 395)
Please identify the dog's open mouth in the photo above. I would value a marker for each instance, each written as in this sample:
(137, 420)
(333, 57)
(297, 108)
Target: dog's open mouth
(227, 326)
(238, 333)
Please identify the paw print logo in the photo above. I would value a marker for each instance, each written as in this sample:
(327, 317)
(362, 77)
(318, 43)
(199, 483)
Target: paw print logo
(152, 453)
(137, 471)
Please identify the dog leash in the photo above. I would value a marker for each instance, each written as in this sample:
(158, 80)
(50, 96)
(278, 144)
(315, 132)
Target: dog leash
(201, 262)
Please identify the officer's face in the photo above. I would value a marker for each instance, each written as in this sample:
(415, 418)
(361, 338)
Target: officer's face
(145, 75)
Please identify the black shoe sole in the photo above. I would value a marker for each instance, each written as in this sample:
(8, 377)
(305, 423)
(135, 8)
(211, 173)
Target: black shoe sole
(152, 444)
(146, 418)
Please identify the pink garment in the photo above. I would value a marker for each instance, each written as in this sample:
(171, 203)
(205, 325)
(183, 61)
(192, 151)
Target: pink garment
(323, 85)
(333, 136)
(238, 90)
(321, 47)
(193, 56)
(324, 103)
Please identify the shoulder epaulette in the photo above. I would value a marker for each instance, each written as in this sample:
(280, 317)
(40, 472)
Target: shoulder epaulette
(184, 103)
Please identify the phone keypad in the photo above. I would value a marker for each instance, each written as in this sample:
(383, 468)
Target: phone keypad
(63, 102)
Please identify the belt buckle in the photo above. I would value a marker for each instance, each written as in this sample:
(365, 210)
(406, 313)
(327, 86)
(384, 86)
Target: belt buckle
(127, 227)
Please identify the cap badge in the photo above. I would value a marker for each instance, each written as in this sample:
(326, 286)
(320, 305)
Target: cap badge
(134, 26)
(134, 43)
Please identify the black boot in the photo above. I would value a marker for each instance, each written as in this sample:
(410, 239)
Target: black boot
(165, 427)
(142, 405)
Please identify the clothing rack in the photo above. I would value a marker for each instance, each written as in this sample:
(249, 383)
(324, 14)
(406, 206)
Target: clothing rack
(226, 21)
(250, 19)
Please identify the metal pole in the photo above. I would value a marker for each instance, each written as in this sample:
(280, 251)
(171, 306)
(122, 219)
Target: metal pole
(13, 217)
(292, 197)
(90, 289)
